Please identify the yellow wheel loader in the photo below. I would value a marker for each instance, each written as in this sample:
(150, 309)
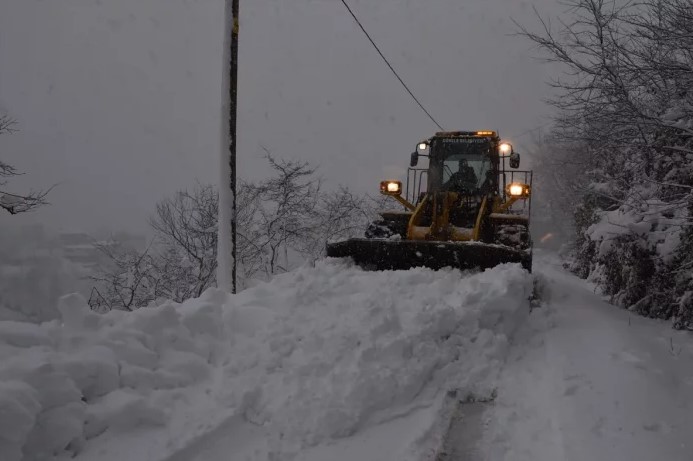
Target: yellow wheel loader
(464, 210)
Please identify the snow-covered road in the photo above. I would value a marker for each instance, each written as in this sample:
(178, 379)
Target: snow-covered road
(588, 381)
(584, 381)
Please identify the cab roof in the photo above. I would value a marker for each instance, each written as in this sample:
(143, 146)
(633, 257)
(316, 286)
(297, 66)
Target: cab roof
(484, 133)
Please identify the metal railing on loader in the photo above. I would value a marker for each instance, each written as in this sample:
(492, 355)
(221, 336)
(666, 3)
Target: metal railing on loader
(521, 176)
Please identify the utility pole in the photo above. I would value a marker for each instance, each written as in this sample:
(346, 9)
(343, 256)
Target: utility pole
(227, 265)
(233, 117)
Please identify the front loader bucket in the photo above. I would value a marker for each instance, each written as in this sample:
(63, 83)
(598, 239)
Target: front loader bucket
(405, 254)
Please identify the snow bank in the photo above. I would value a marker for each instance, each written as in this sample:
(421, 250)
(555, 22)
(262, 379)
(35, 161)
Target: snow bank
(64, 383)
(315, 355)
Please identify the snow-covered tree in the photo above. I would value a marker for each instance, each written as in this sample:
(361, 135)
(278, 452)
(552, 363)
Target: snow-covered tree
(625, 102)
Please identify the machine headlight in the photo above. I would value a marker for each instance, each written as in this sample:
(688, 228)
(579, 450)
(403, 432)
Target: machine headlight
(506, 148)
(391, 187)
(518, 190)
(422, 147)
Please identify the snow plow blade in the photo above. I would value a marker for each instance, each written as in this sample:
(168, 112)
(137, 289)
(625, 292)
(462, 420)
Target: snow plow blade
(374, 254)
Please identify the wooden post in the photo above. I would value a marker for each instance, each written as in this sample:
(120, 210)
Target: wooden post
(233, 117)
(226, 251)
(233, 133)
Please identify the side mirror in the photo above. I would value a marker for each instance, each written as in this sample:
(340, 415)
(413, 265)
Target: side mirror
(414, 159)
(514, 160)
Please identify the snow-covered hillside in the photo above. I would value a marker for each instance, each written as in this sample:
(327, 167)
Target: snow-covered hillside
(316, 355)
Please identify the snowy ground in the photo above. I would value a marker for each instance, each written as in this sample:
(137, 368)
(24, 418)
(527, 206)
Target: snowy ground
(335, 363)
(318, 363)
(589, 381)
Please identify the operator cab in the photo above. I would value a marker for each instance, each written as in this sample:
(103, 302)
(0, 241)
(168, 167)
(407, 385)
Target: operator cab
(463, 163)
(468, 164)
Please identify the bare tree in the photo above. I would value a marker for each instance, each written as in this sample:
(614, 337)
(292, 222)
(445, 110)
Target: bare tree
(284, 219)
(186, 225)
(177, 275)
(127, 282)
(248, 248)
(339, 215)
(11, 202)
(289, 218)
(286, 205)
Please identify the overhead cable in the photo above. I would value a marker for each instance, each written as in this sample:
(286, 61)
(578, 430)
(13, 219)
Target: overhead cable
(390, 65)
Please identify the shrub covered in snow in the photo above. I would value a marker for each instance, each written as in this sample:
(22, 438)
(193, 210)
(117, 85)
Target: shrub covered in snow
(681, 279)
(640, 258)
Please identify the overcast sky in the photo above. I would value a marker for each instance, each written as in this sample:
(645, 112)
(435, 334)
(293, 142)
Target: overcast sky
(118, 101)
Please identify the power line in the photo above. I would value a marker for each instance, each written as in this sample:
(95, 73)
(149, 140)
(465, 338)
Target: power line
(390, 65)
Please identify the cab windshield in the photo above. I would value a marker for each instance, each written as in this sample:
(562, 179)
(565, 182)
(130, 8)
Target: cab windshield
(466, 171)
(460, 164)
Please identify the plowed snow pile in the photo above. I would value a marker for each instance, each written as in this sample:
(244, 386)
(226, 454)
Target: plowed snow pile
(317, 354)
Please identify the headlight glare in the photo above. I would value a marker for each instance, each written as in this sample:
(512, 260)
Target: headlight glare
(391, 187)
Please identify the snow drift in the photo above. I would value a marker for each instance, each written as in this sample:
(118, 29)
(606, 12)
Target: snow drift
(317, 354)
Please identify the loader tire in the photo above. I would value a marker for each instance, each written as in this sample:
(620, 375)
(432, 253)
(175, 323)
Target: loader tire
(527, 264)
